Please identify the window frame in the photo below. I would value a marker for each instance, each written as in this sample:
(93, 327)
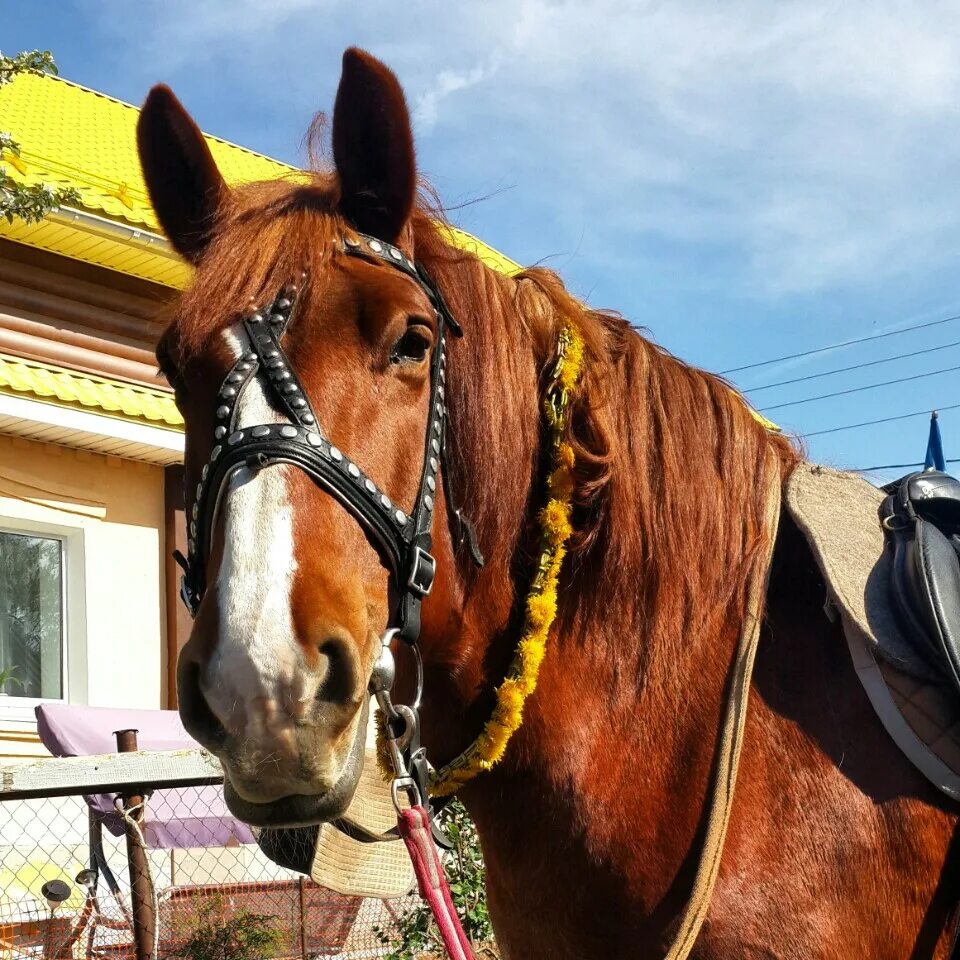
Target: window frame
(18, 711)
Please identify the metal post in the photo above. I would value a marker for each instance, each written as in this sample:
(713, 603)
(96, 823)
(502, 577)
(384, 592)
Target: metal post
(303, 919)
(141, 885)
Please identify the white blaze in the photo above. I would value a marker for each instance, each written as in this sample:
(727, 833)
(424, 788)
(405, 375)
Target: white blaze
(256, 654)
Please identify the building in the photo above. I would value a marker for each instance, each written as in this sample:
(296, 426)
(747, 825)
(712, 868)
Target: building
(90, 438)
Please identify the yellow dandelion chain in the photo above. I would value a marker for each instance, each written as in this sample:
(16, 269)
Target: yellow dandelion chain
(541, 604)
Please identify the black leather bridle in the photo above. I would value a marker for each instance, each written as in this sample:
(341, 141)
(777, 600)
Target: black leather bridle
(404, 540)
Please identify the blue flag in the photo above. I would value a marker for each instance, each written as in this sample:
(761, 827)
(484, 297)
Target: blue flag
(934, 458)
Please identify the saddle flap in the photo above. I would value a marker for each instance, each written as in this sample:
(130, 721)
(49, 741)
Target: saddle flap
(908, 588)
(921, 517)
(935, 579)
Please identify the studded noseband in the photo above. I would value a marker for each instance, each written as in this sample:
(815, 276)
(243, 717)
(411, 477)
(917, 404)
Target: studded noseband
(404, 540)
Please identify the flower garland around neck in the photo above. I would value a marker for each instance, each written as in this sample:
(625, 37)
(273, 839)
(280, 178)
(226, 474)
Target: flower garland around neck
(541, 603)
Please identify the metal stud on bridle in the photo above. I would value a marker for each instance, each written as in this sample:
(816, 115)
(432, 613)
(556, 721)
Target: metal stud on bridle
(404, 540)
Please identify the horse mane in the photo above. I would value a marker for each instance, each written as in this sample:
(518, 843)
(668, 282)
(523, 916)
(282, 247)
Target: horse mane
(668, 508)
(667, 504)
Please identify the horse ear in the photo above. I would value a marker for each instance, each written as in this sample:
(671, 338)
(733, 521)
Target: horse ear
(183, 181)
(373, 147)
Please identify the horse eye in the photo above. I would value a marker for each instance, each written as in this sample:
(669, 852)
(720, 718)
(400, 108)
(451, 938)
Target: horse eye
(412, 347)
(173, 377)
(171, 374)
(168, 368)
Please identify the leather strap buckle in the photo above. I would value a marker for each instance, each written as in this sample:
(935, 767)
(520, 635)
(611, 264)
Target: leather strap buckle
(188, 597)
(422, 571)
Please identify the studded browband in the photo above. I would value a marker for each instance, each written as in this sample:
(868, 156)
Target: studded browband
(404, 540)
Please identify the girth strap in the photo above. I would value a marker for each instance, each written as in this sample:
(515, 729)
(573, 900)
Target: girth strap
(727, 760)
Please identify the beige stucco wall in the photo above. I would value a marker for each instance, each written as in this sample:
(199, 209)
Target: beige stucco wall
(111, 513)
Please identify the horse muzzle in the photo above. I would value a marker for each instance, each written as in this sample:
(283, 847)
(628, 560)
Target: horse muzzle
(304, 809)
(278, 769)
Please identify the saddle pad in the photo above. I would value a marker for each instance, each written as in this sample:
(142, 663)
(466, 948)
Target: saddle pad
(923, 719)
(837, 513)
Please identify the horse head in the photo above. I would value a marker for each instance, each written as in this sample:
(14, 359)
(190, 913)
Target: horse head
(291, 587)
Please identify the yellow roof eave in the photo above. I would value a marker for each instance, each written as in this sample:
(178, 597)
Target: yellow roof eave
(57, 385)
(138, 253)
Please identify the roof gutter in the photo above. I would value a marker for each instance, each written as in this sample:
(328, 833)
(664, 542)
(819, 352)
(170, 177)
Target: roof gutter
(122, 232)
(146, 239)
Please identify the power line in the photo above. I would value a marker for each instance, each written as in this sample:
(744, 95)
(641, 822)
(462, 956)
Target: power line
(870, 423)
(869, 386)
(896, 466)
(855, 366)
(838, 346)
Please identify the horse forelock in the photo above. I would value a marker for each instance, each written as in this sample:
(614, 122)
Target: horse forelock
(266, 235)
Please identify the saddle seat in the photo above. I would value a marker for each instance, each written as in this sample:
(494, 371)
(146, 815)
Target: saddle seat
(921, 520)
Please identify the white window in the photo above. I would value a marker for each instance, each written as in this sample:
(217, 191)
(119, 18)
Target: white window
(32, 616)
(42, 636)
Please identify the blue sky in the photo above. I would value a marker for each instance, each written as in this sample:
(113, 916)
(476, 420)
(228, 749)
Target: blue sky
(745, 180)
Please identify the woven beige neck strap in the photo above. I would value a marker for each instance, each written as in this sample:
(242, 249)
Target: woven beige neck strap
(727, 759)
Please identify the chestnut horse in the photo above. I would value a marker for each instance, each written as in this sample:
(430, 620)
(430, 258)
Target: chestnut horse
(592, 824)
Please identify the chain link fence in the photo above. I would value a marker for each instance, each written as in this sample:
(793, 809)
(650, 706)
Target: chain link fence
(65, 889)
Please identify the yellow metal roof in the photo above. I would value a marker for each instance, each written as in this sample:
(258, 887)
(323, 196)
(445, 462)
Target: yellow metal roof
(72, 136)
(63, 387)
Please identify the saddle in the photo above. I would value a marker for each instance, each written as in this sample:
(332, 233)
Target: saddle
(890, 561)
(921, 522)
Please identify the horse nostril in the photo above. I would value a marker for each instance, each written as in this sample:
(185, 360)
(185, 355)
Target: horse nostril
(198, 719)
(337, 665)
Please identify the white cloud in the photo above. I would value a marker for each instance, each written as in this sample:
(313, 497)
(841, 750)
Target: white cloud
(426, 110)
(816, 143)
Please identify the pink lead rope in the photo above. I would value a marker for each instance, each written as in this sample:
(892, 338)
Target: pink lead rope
(410, 777)
(414, 827)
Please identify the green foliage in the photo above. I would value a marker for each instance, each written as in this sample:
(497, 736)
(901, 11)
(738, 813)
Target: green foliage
(244, 936)
(413, 934)
(7, 676)
(37, 62)
(34, 201)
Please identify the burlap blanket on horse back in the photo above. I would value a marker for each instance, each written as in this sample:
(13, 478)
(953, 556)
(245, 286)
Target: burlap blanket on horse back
(837, 513)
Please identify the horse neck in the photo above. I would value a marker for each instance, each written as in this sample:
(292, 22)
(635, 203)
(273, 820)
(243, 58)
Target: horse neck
(651, 597)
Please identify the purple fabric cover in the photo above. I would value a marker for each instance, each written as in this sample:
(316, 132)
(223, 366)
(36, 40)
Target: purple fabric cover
(176, 818)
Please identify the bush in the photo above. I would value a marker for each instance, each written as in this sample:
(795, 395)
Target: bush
(243, 936)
